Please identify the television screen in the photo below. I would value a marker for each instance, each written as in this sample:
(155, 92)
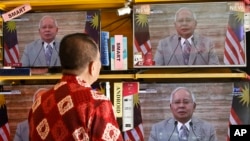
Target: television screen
(213, 103)
(27, 31)
(196, 34)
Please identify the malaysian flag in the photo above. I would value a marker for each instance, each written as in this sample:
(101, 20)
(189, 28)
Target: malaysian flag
(142, 38)
(4, 126)
(234, 53)
(92, 26)
(99, 86)
(135, 134)
(240, 110)
(11, 52)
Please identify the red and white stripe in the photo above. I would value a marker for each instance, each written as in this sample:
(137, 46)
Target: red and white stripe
(11, 55)
(233, 120)
(144, 48)
(233, 52)
(135, 134)
(5, 133)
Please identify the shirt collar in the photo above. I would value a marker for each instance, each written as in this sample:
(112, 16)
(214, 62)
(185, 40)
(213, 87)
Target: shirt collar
(187, 124)
(51, 44)
(189, 40)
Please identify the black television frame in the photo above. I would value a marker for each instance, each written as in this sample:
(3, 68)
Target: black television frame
(214, 101)
(77, 23)
(159, 27)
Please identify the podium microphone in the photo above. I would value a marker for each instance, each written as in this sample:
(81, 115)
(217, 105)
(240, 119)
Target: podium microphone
(175, 124)
(32, 65)
(179, 40)
(56, 52)
(191, 124)
(199, 52)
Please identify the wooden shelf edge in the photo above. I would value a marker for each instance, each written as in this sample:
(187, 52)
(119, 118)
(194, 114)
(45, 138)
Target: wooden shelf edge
(58, 76)
(62, 4)
(133, 76)
(117, 76)
(193, 75)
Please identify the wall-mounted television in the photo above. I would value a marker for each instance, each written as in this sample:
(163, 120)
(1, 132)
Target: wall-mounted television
(160, 30)
(27, 30)
(213, 103)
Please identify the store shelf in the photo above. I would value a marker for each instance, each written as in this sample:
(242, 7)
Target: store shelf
(58, 76)
(170, 1)
(192, 75)
(58, 5)
(132, 76)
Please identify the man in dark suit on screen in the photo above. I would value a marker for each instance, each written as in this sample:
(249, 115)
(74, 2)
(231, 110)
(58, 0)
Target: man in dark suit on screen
(186, 47)
(182, 126)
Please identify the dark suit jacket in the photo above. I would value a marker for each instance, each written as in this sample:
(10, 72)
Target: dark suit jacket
(34, 56)
(22, 131)
(169, 52)
(202, 131)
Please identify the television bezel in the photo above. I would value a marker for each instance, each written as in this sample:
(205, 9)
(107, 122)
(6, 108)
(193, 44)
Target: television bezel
(156, 96)
(26, 18)
(180, 4)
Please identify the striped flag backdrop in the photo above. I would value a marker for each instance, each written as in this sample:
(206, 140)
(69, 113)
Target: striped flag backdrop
(142, 38)
(92, 26)
(234, 52)
(137, 133)
(4, 126)
(11, 52)
(240, 110)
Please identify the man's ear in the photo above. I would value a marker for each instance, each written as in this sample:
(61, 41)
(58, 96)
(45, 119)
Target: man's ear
(196, 23)
(91, 68)
(194, 105)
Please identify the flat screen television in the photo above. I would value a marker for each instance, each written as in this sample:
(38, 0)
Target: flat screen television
(213, 103)
(218, 39)
(27, 30)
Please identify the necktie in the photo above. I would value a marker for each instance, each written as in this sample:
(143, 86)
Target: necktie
(48, 53)
(186, 51)
(183, 133)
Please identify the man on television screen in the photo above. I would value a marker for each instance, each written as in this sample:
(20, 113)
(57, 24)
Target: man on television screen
(43, 52)
(186, 47)
(183, 126)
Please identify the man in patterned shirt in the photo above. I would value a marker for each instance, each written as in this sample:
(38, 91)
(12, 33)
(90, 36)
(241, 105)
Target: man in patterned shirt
(72, 110)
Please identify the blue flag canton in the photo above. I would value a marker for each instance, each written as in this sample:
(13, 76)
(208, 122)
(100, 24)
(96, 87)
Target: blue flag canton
(10, 34)
(241, 103)
(93, 25)
(3, 115)
(236, 22)
(141, 28)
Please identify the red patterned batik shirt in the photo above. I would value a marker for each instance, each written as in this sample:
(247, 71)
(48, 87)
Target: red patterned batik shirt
(72, 110)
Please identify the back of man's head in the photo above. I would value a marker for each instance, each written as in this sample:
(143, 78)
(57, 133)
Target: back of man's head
(76, 51)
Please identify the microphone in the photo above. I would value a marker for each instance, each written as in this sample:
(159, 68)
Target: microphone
(54, 68)
(175, 124)
(54, 43)
(37, 55)
(191, 125)
(198, 51)
(179, 40)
